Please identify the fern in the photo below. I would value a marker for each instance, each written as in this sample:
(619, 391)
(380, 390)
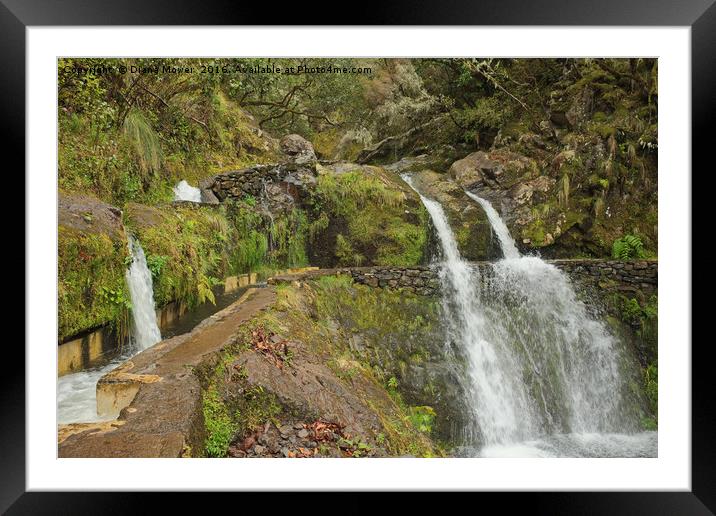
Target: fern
(204, 292)
(628, 247)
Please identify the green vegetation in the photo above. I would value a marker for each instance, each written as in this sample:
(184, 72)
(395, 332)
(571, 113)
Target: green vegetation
(191, 249)
(132, 137)
(91, 286)
(627, 248)
(365, 212)
(328, 313)
(642, 317)
(185, 248)
(651, 387)
(236, 414)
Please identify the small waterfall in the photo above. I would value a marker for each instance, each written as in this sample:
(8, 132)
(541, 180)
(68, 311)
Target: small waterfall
(77, 392)
(544, 376)
(509, 249)
(145, 331)
(183, 191)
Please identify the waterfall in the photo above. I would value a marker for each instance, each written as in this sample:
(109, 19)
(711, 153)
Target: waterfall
(77, 392)
(509, 249)
(183, 191)
(145, 331)
(544, 376)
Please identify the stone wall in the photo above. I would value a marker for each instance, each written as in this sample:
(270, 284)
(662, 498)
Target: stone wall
(252, 181)
(612, 275)
(602, 276)
(421, 280)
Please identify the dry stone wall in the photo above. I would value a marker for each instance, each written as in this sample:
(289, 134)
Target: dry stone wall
(602, 276)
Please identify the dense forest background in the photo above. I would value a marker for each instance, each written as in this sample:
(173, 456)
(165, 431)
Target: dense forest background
(131, 137)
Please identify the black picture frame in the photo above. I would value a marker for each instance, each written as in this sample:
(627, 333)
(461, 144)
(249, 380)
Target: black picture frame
(700, 15)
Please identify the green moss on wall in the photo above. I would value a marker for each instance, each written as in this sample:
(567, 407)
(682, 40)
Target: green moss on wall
(91, 286)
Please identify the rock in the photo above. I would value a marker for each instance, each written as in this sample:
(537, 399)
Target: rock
(581, 108)
(303, 433)
(248, 443)
(522, 193)
(258, 449)
(468, 171)
(90, 215)
(298, 148)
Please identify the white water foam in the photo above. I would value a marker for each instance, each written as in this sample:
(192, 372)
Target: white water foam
(183, 191)
(545, 376)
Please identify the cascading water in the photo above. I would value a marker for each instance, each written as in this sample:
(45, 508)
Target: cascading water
(77, 393)
(509, 249)
(145, 331)
(183, 191)
(544, 377)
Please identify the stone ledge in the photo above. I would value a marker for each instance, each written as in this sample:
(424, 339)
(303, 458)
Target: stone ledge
(423, 280)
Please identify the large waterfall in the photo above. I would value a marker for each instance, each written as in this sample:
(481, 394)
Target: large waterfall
(77, 393)
(544, 377)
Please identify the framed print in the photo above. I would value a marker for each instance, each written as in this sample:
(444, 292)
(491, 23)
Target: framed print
(419, 258)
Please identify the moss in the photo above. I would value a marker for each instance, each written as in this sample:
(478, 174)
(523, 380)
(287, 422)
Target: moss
(194, 247)
(366, 219)
(153, 150)
(91, 285)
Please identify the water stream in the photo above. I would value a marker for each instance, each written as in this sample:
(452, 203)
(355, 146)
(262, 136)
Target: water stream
(544, 376)
(183, 191)
(77, 393)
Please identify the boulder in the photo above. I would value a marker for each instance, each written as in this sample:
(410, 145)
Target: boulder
(470, 170)
(522, 193)
(88, 214)
(499, 169)
(298, 148)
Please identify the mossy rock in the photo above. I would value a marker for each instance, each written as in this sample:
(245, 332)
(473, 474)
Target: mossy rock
(92, 256)
(365, 215)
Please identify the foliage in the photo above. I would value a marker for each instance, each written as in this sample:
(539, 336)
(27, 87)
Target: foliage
(627, 248)
(325, 314)
(422, 418)
(368, 214)
(186, 248)
(156, 264)
(91, 286)
(651, 387)
(132, 137)
(220, 429)
(227, 417)
(144, 141)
